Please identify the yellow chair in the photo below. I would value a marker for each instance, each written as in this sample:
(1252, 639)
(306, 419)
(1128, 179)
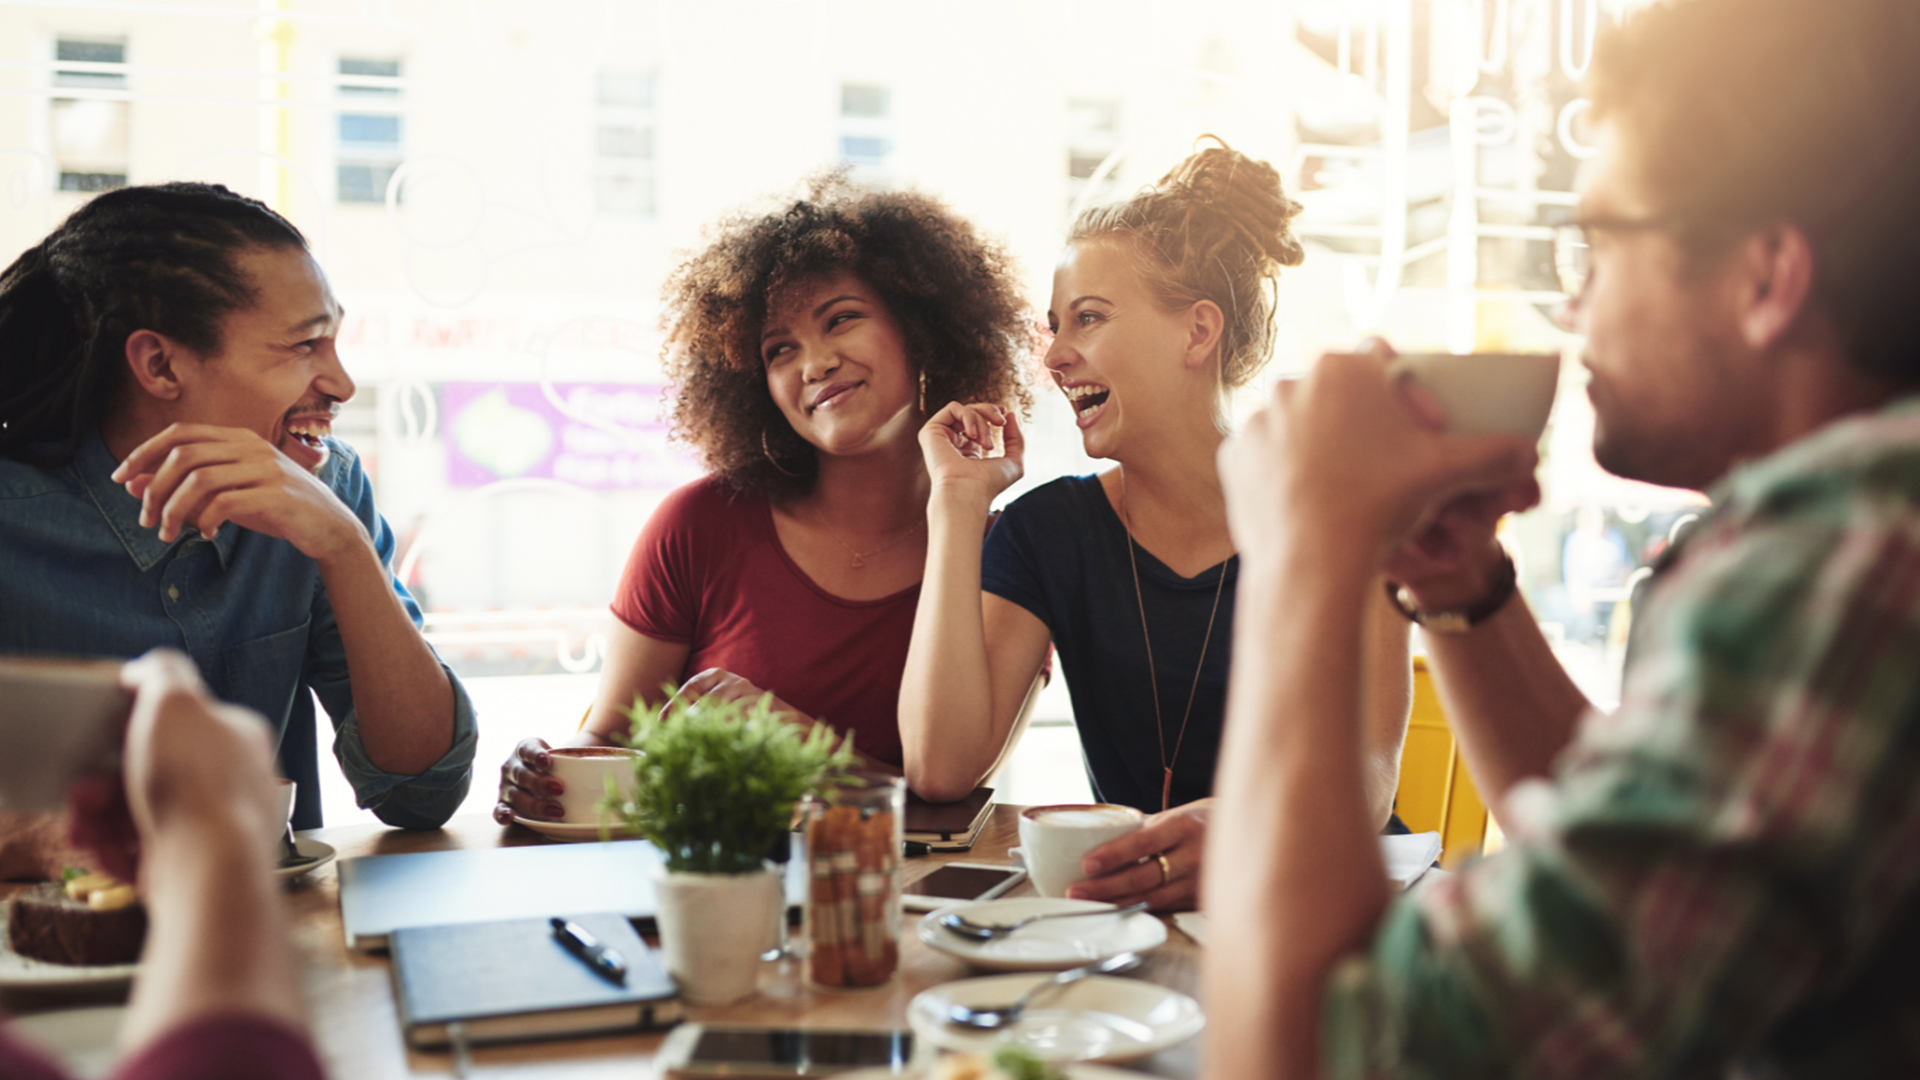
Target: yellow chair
(1436, 794)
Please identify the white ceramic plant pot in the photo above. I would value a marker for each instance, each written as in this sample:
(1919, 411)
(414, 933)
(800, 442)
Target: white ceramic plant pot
(713, 928)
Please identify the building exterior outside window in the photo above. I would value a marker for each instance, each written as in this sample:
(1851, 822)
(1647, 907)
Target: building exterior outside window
(90, 121)
(623, 143)
(370, 128)
(866, 127)
(1093, 134)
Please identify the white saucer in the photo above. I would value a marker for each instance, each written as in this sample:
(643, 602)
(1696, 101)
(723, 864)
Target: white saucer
(1048, 945)
(23, 973)
(1079, 1070)
(573, 833)
(324, 853)
(1099, 1018)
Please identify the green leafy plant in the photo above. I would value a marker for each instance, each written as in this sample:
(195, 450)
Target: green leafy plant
(717, 780)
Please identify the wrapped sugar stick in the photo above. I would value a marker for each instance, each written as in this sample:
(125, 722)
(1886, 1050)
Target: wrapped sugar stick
(876, 889)
(846, 891)
(823, 913)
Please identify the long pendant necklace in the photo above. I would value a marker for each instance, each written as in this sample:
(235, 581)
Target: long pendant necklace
(1153, 679)
(860, 557)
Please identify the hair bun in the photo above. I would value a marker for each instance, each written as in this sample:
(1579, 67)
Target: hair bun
(1219, 179)
(1217, 227)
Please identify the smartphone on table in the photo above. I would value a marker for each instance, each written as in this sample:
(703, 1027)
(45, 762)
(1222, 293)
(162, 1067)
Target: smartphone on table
(765, 1053)
(958, 883)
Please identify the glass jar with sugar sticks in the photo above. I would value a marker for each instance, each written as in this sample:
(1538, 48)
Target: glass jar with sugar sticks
(853, 839)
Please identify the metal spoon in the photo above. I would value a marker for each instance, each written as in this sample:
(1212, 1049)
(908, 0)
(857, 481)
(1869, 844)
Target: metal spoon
(967, 928)
(999, 1016)
(290, 856)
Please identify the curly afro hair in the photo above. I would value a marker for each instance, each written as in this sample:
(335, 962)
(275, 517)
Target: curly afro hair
(953, 292)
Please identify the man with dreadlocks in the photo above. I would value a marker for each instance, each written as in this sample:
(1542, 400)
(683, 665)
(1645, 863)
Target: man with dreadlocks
(168, 379)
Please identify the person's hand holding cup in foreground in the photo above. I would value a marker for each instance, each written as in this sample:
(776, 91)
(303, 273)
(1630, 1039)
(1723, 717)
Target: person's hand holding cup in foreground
(1351, 457)
(184, 821)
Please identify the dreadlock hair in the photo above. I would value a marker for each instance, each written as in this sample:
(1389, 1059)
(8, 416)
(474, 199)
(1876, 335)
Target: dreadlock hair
(158, 258)
(1217, 227)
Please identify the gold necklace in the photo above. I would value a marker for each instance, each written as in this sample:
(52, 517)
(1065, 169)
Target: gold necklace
(1153, 679)
(860, 557)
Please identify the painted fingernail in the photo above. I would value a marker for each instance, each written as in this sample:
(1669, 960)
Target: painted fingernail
(554, 810)
(555, 787)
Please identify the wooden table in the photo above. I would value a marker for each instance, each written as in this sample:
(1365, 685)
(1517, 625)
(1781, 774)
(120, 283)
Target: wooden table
(356, 1028)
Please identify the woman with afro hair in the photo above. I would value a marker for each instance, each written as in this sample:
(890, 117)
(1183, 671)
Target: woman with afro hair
(807, 348)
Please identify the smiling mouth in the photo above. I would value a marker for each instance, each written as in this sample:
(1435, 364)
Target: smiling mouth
(1087, 398)
(308, 432)
(832, 394)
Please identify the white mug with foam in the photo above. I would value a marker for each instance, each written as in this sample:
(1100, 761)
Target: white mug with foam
(1053, 839)
(585, 770)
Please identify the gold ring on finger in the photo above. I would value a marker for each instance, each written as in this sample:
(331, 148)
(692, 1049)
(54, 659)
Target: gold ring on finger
(1166, 868)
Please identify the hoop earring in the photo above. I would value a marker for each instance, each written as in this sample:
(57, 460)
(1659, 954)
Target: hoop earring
(771, 460)
(923, 391)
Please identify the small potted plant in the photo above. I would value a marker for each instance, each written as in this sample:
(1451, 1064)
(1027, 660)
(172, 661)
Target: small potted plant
(716, 785)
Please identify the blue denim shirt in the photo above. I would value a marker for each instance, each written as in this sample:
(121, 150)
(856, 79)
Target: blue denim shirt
(79, 576)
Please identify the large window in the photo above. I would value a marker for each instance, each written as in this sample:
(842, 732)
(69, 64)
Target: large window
(503, 318)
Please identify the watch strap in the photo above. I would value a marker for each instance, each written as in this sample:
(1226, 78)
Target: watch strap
(1499, 591)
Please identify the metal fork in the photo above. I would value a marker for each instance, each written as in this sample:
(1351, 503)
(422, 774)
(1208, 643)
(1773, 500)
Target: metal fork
(1000, 1016)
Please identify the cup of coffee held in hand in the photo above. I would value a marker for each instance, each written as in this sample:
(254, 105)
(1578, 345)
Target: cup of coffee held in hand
(1487, 393)
(1053, 839)
(61, 719)
(584, 770)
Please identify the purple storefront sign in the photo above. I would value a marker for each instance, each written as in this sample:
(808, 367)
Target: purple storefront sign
(597, 435)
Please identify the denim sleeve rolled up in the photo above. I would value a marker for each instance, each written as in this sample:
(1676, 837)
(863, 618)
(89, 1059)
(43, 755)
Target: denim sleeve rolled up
(82, 578)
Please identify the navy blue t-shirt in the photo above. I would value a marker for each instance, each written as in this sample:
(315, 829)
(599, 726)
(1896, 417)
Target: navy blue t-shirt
(1060, 551)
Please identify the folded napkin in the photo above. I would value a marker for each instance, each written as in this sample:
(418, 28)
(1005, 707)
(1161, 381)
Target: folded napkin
(1410, 855)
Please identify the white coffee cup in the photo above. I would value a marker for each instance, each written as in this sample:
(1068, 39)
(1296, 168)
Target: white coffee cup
(1487, 393)
(584, 771)
(1053, 839)
(60, 719)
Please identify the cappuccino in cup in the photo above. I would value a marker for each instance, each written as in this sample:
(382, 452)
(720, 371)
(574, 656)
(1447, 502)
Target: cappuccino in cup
(1053, 839)
(584, 770)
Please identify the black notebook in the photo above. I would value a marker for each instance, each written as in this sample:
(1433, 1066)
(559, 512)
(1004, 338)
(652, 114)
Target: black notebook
(513, 980)
(950, 826)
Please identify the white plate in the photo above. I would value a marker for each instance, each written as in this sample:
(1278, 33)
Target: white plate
(1099, 1018)
(312, 848)
(573, 833)
(84, 1040)
(23, 973)
(1048, 945)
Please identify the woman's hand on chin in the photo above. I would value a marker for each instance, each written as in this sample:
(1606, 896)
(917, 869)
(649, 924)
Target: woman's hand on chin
(1158, 862)
(973, 445)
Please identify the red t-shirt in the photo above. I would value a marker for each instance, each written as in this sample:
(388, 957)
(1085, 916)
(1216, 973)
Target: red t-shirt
(708, 571)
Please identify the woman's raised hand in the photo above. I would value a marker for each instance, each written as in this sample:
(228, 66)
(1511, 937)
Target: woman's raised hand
(974, 444)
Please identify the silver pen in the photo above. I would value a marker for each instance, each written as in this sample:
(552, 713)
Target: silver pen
(605, 962)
